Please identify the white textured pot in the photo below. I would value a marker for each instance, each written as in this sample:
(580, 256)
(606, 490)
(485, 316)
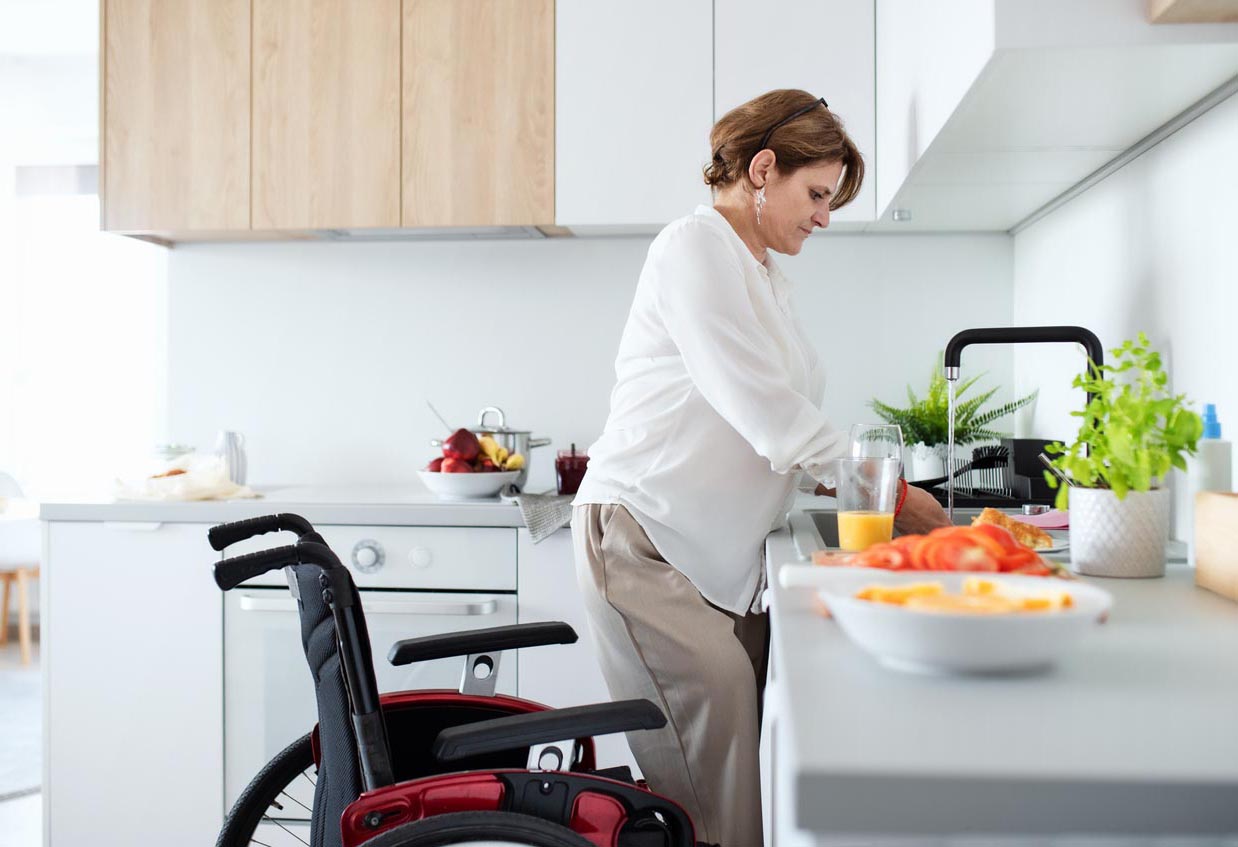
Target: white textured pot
(1112, 537)
(927, 462)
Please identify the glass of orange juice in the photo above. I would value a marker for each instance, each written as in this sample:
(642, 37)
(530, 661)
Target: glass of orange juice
(867, 494)
(868, 486)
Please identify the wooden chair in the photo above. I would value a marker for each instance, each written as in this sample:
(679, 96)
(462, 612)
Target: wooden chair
(21, 574)
(22, 577)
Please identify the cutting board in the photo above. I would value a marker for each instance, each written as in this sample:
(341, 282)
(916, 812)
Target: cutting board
(1216, 543)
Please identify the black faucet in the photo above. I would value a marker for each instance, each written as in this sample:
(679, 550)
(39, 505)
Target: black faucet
(1021, 335)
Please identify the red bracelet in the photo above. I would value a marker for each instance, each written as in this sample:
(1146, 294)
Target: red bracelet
(902, 496)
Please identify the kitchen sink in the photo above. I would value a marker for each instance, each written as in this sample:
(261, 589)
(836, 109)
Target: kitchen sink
(826, 522)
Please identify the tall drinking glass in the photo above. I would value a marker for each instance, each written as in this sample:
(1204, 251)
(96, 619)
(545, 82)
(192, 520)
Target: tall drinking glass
(868, 486)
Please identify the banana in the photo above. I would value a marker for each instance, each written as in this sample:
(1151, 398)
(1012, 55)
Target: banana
(514, 462)
(500, 456)
(490, 448)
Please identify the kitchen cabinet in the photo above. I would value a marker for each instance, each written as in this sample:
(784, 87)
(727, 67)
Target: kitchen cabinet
(133, 684)
(478, 113)
(833, 57)
(326, 116)
(174, 115)
(633, 110)
(561, 675)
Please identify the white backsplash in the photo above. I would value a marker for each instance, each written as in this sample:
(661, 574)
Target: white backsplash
(324, 354)
(1151, 248)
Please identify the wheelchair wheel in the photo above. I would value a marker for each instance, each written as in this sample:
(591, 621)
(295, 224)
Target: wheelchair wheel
(279, 799)
(479, 829)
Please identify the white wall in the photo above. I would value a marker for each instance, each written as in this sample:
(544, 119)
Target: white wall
(1151, 248)
(323, 354)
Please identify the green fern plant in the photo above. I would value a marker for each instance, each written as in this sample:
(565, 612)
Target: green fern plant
(926, 420)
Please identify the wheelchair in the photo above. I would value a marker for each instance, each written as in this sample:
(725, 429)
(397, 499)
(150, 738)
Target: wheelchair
(433, 768)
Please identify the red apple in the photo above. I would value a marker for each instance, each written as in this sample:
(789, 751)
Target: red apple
(462, 445)
(485, 465)
(435, 465)
(456, 466)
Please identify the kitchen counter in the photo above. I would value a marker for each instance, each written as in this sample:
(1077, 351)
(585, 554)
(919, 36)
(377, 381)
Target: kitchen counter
(1132, 733)
(355, 505)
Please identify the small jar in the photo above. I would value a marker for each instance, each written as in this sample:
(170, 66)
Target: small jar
(570, 470)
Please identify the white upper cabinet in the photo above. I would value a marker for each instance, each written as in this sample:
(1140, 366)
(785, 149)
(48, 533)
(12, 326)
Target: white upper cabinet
(989, 109)
(633, 111)
(822, 46)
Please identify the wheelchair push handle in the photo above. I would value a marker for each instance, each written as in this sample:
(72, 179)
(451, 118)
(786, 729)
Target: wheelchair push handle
(229, 573)
(226, 534)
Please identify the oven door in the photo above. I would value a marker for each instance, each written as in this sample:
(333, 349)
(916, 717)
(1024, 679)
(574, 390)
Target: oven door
(268, 693)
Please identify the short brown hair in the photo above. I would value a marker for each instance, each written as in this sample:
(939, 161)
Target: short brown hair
(814, 137)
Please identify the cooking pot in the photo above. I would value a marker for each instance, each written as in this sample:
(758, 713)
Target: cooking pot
(512, 440)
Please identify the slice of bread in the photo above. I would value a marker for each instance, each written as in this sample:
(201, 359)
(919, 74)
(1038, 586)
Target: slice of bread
(1024, 533)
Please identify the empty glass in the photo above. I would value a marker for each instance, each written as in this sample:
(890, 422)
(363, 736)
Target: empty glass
(876, 441)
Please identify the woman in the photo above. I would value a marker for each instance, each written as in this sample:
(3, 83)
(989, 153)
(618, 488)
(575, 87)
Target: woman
(714, 416)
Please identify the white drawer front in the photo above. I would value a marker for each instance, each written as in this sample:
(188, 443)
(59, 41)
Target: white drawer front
(434, 557)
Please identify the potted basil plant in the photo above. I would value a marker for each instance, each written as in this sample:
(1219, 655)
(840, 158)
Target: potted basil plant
(1134, 432)
(925, 421)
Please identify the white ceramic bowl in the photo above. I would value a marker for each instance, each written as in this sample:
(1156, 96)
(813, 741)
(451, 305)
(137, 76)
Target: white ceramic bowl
(466, 486)
(954, 643)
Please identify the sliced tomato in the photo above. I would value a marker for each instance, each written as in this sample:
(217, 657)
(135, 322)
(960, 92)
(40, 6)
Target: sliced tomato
(882, 556)
(1020, 558)
(958, 553)
(999, 534)
(1037, 568)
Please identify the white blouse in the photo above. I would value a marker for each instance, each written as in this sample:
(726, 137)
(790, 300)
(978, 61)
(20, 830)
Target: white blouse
(715, 411)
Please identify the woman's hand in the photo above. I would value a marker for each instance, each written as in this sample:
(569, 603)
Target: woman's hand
(921, 513)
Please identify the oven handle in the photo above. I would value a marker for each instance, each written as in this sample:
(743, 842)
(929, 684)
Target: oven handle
(251, 603)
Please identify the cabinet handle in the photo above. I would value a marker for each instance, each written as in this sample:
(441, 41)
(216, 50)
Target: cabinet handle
(250, 603)
(133, 526)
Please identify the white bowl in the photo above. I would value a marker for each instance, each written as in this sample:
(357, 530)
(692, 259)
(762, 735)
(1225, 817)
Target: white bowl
(466, 486)
(954, 643)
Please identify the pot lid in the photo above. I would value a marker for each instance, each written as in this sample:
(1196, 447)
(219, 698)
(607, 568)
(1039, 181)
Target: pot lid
(501, 427)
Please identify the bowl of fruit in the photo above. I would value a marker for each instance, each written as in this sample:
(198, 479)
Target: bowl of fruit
(471, 468)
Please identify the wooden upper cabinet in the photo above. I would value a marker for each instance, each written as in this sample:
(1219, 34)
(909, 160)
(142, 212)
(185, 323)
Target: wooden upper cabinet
(175, 115)
(326, 120)
(478, 104)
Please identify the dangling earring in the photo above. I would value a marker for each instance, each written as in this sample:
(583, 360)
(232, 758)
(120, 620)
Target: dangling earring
(760, 202)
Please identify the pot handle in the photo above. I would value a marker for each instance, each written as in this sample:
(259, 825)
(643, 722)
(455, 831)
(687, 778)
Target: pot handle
(481, 418)
(538, 442)
(436, 442)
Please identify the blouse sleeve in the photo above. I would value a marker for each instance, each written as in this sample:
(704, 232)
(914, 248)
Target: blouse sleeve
(701, 296)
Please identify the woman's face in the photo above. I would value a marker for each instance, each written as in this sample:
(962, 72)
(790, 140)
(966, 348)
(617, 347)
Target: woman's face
(796, 203)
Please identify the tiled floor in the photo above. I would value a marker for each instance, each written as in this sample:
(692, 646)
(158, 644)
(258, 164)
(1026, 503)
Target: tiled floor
(21, 818)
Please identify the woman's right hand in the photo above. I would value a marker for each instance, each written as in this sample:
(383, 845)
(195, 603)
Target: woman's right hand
(921, 513)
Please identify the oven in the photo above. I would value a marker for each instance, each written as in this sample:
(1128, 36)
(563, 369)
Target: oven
(413, 581)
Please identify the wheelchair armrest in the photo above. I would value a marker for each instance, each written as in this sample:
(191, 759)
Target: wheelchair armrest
(517, 731)
(492, 640)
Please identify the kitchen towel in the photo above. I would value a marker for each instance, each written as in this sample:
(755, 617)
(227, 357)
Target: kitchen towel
(543, 514)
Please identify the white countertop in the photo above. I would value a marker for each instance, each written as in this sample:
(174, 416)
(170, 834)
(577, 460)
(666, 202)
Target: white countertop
(356, 505)
(1133, 732)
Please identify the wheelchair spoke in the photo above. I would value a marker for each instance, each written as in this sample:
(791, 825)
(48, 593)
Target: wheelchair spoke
(295, 800)
(270, 819)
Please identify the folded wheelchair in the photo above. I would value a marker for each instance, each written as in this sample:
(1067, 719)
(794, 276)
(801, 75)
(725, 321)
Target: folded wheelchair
(436, 767)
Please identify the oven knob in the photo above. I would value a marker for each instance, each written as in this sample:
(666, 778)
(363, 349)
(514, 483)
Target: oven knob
(367, 556)
(420, 557)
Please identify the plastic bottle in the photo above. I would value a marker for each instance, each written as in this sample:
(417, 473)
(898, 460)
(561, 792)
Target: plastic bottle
(1215, 462)
(1212, 467)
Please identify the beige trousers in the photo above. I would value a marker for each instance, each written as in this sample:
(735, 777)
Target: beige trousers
(659, 639)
